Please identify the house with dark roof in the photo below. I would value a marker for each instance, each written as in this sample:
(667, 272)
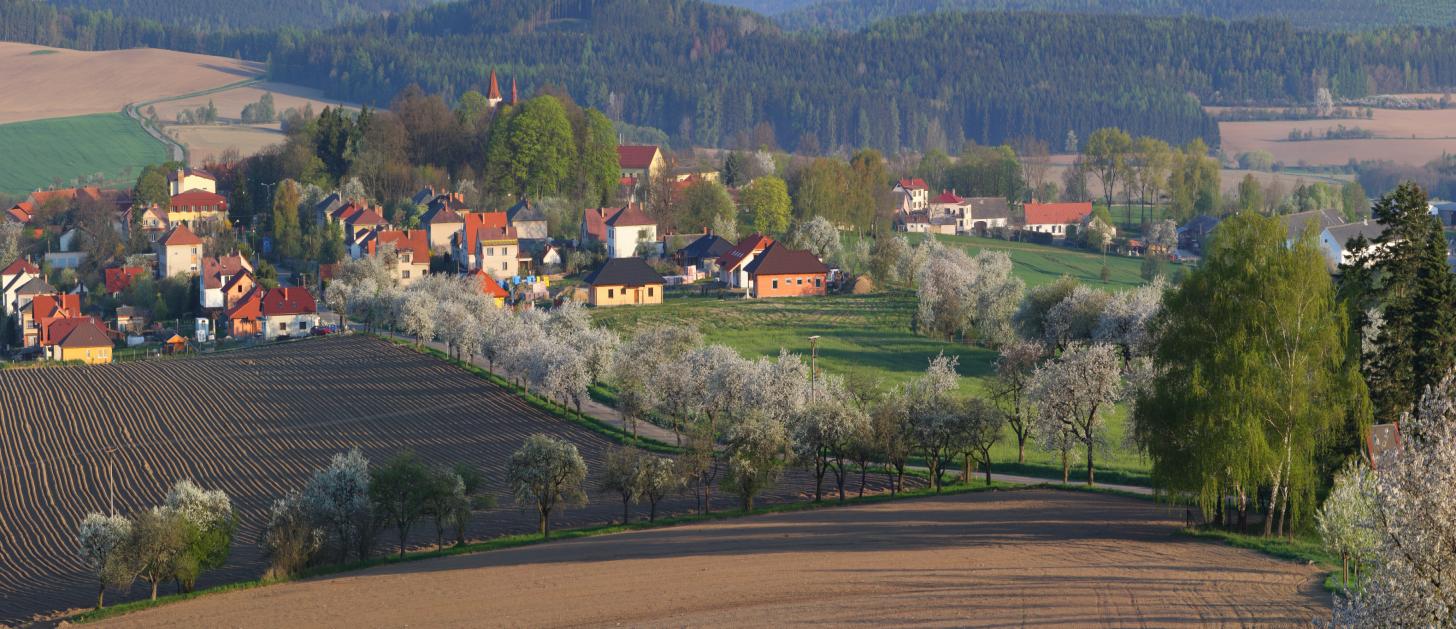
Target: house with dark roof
(12, 277)
(642, 163)
(733, 266)
(179, 253)
(1057, 219)
(624, 282)
(1315, 220)
(130, 319)
(528, 220)
(288, 312)
(627, 229)
(441, 224)
(1193, 235)
(703, 252)
(27, 292)
(784, 272)
(217, 273)
(187, 179)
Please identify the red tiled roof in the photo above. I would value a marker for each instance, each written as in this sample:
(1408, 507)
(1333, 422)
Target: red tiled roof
(215, 268)
(365, 217)
(496, 234)
(947, 196)
(288, 301)
(248, 307)
(491, 287)
(180, 236)
(630, 216)
(1056, 213)
(78, 332)
(118, 278)
(20, 265)
(745, 247)
(21, 211)
(199, 198)
(474, 221)
(914, 184)
(415, 241)
(594, 222)
(779, 259)
(635, 157)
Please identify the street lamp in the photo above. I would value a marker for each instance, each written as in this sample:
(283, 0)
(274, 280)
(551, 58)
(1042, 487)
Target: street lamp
(813, 365)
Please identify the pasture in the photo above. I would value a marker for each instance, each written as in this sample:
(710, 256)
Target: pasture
(1041, 264)
(42, 151)
(1019, 558)
(254, 423)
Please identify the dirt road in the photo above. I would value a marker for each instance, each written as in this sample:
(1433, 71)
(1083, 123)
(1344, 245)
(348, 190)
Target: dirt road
(993, 559)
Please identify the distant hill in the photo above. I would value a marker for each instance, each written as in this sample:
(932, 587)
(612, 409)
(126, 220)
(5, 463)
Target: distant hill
(1311, 14)
(219, 15)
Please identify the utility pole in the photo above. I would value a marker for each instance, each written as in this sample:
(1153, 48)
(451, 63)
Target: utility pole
(813, 366)
(111, 479)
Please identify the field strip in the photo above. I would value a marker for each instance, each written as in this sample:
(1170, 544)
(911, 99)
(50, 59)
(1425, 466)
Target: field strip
(179, 150)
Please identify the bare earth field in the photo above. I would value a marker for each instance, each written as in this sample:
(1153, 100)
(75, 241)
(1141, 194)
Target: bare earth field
(207, 142)
(989, 559)
(72, 83)
(1229, 178)
(1404, 136)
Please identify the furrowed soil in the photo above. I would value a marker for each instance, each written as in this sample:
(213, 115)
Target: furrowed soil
(1037, 557)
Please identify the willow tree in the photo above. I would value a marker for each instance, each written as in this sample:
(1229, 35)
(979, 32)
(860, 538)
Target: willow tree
(1252, 374)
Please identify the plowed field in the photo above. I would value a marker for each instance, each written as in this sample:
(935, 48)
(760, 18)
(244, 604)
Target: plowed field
(253, 423)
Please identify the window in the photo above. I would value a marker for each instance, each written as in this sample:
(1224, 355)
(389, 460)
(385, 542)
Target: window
(490, 251)
(801, 281)
(610, 293)
(775, 283)
(649, 291)
(302, 325)
(404, 274)
(505, 266)
(818, 282)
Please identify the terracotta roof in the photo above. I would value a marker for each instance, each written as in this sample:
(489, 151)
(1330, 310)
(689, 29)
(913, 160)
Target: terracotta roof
(745, 247)
(489, 284)
(20, 265)
(476, 220)
(779, 259)
(194, 197)
(630, 216)
(288, 301)
(118, 278)
(21, 211)
(248, 307)
(180, 236)
(1056, 213)
(635, 156)
(415, 241)
(594, 222)
(496, 234)
(624, 272)
(214, 269)
(78, 332)
(948, 196)
(914, 184)
(365, 217)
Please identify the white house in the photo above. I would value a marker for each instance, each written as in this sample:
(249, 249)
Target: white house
(185, 179)
(628, 228)
(217, 271)
(911, 195)
(1335, 241)
(18, 274)
(1057, 219)
(288, 312)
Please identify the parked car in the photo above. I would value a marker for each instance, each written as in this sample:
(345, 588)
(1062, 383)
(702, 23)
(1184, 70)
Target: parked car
(324, 330)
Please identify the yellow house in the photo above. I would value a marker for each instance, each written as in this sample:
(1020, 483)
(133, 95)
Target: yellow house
(84, 342)
(624, 282)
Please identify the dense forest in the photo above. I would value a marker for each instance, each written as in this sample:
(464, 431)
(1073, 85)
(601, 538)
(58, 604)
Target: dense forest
(1353, 15)
(211, 15)
(716, 76)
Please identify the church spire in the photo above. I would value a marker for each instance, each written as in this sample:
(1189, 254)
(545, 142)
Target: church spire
(515, 94)
(493, 96)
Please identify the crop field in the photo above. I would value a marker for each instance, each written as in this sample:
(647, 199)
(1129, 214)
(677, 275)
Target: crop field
(41, 151)
(867, 339)
(1404, 136)
(254, 423)
(995, 559)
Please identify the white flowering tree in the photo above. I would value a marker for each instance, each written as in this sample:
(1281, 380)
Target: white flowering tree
(336, 499)
(1126, 319)
(547, 473)
(620, 473)
(935, 428)
(1409, 582)
(209, 526)
(754, 450)
(657, 476)
(560, 372)
(417, 315)
(1073, 394)
(819, 236)
(1075, 318)
(1011, 388)
(982, 424)
(1346, 520)
(99, 541)
(290, 538)
(824, 433)
(961, 296)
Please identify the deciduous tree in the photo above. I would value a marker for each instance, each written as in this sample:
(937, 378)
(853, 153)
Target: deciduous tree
(547, 473)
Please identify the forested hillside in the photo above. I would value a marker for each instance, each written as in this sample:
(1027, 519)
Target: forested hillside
(1352, 15)
(718, 76)
(211, 15)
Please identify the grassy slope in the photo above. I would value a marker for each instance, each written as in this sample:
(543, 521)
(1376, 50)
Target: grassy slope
(39, 151)
(1041, 264)
(862, 336)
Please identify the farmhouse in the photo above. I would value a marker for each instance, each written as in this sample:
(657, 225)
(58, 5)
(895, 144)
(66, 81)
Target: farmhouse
(188, 179)
(289, 311)
(218, 274)
(920, 222)
(528, 220)
(627, 229)
(244, 316)
(783, 272)
(357, 220)
(153, 221)
(1315, 220)
(79, 339)
(179, 253)
(911, 195)
(641, 163)
(1057, 219)
(197, 206)
(624, 282)
(732, 266)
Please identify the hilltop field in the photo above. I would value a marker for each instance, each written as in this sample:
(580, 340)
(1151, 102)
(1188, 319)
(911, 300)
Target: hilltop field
(1404, 136)
(1020, 558)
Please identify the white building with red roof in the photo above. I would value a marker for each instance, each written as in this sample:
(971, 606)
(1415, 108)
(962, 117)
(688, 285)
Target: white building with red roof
(639, 162)
(911, 194)
(179, 253)
(288, 312)
(217, 273)
(627, 229)
(1057, 219)
(195, 206)
(733, 266)
(185, 179)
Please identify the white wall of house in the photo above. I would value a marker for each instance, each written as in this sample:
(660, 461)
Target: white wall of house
(178, 260)
(289, 325)
(192, 182)
(1055, 229)
(9, 306)
(622, 241)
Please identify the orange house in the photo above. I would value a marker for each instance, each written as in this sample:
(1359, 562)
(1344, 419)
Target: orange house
(783, 272)
(245, 314)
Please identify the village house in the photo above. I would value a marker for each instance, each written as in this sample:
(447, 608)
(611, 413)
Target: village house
(641, 163)
(411, 249)
(627, 229)
(783, 272)
(498, 252)
(356, 220)
(551, 258)
(442, 224)
(970, 215)
(78, 339)
(529, 222)
(12, 278)
(27, 293)
(1316, 221)
(66, 198)
(1335, 241)
(1057, 219)
(464, 244)
(911, 195)
(194, 207)
(624, 282)
(703, 253)
(920, 222)
(218, 272)
(244, 316)
(35, 320)
(733, 266)
(327, 206)
(153, 222)
(119, 278)
(188, 179)
(131, 320)
(1193, 235)
(288, 312)
(179, 253)
(491, 287)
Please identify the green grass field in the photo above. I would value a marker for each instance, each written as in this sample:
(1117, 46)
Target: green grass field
(41, 151)
(866, 338)
(1041, 264)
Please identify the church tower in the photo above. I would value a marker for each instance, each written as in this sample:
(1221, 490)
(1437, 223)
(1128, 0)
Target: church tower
(493, 97)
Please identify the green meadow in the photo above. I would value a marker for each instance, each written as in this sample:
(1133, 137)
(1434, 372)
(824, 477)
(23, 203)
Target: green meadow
(39, 152)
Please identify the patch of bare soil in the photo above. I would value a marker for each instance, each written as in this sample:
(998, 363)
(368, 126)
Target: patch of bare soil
(989, 559)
